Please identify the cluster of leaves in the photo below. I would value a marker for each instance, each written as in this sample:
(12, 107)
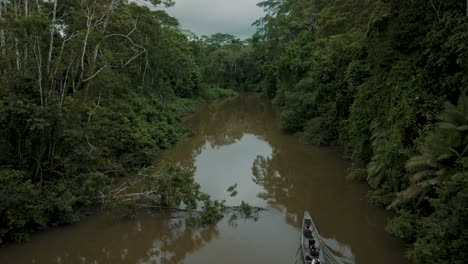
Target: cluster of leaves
(225, 61)
(89, 90)
(373, 76)
(176, 187)
(28, 206)
(170, 187)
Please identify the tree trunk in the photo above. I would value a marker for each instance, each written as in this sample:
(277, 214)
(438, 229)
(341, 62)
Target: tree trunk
(51, 44)
(85, 43)
(436, 9)
(2, 31)
(26, 7)
(17, 53)
(37, 53)
(64, 86)
(18, 60)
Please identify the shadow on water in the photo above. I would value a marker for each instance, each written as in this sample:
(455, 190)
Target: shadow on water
(237, 141)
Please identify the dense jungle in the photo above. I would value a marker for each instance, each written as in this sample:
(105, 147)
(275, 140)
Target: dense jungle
(90, 91)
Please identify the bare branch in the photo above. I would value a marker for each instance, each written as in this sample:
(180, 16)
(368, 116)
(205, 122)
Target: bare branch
(51, 43)
(127, 36)
(437, 10)
(38, 57)
(134, 57)
(95, 74)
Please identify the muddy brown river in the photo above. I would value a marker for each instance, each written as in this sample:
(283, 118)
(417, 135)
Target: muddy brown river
(237, 141)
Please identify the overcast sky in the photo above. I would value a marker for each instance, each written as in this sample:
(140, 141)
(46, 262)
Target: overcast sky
(205, 17)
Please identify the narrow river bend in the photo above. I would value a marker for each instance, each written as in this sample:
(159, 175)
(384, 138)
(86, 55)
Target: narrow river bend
(237, 141)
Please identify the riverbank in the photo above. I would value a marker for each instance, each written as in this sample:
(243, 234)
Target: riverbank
(237, 141)
(117, 137)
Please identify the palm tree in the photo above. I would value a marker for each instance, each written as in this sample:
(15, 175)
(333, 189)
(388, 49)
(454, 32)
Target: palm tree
(443, 156)
(379, 164)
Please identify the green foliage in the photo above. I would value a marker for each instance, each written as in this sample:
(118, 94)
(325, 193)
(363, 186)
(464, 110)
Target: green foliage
(176, 185)
(444, 154)
(373, 76)
(89, 91)
(28, 206)
(225, 62)
(212, 211)
(170, 187)
(232, 190)
(212, 92)
(438, 237)
(19, 206)
(246, 209)
(404, 226)
(185, 106)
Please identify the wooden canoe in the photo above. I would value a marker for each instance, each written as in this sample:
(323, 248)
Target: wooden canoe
(306, 252)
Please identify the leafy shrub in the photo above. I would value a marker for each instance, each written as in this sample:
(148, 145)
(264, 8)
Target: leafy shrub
(210, 92)
(20, 207)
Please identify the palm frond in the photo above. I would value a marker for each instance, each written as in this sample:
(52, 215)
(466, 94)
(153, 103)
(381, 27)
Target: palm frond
(446, 125)
(375, 181)
(441, 154)
(462, 128)
(417, 162)
(421, 175)
(413, 191)
(376, 169)
(444, 157)
(456, 115)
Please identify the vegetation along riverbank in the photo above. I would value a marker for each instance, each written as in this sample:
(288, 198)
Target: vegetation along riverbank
(387, 80)
(91, 90)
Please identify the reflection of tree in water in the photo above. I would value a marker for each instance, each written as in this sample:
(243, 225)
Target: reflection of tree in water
(150, 238)
(282, 192)
(282, 175)
(239, 116)
(178, 242)
(224, 123)
(277, 187)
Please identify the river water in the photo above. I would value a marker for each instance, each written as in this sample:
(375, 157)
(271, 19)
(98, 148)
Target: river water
(237, 141)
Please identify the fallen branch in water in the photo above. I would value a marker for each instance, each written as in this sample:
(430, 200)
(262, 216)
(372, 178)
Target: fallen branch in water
(239, 209)
(169, 189)
(227, 208)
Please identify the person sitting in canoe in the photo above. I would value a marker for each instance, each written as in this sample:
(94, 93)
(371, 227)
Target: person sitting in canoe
(312, 243)
(308, 232)
(312, 261)
(314, 252)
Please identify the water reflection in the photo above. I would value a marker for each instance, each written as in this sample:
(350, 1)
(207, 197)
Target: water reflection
(173, 246)
(218, 167)
(236, 141)
(277, 187)
(96, 240)
(241, 142)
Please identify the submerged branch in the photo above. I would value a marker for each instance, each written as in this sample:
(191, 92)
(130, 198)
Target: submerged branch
(172, 189)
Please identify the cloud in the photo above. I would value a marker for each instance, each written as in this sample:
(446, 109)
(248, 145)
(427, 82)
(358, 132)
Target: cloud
(206, 17)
